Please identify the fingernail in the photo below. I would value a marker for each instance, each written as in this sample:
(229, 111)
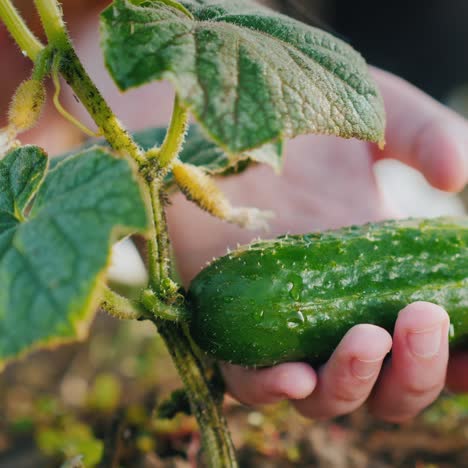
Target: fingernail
(425, 343)
(365, 370)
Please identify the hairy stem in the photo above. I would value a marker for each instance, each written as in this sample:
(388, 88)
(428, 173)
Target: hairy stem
(159, 309)
(120, 307)
(192, 367)
(159, 247)
(174, 138)
(74, 73)
(51, 16)
(58, 105)
(76, 76)
(26, 40)
(218, 446)
(42, 64)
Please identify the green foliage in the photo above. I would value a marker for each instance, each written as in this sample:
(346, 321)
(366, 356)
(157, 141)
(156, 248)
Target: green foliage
(21, 174)
(249, 75)
(199, 151)
(448, 412)
(53, 253)
(73, 439)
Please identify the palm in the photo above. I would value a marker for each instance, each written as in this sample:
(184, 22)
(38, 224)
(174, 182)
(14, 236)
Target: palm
(326, 182)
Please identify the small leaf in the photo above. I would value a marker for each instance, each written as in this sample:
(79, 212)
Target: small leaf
(21, 174)
(51, 262)
(199, 151)
(250, 76)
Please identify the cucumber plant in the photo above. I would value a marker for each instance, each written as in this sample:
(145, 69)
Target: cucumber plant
(252, 79)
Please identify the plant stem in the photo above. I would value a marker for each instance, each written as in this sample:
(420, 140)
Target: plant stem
(42, 64)
(218, 446)
(159, 247)
(153, 304)
(191, 367)
(120, 307)
(58, 105)
(51, 16)
(174, 138)
(75, 75)
(26, 40)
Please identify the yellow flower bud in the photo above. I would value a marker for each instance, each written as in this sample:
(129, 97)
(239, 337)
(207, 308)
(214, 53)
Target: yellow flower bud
(200, 188)
(26, 105)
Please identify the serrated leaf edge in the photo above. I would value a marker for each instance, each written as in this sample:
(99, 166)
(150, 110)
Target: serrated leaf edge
(89, 310)
(282, 135)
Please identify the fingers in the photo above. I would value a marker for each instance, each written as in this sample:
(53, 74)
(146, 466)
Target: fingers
(346, 381)
(408, 383)
(289, 381)
(457, 373)
(415, 375)
(424, 134)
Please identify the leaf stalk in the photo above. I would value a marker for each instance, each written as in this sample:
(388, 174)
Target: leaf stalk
(120, 307)
(174, 139)
(110, 127)
(26, 40)
(50, 12)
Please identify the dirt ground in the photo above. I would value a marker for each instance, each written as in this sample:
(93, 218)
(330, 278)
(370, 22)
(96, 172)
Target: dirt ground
(96, 401)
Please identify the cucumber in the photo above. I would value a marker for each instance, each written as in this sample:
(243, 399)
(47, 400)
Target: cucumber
(295, 297)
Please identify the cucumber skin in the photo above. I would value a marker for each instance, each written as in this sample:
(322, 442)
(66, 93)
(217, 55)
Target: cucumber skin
(294, 298)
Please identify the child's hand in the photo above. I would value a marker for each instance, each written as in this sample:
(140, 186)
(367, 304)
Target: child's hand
(329, 182)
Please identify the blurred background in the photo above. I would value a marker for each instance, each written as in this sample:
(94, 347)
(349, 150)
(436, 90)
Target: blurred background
(96, 399)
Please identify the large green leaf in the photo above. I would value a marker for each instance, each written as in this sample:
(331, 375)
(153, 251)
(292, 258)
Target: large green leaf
(249, 75)
(201, 152)
(53, 254)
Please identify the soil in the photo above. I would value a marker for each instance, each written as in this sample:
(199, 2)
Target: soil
(97, 399)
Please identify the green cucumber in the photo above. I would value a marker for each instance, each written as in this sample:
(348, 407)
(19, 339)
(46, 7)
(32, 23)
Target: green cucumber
(295, 297)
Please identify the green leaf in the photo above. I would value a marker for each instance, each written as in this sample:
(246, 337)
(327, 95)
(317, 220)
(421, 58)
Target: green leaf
(52, 255)
(249, 75)
(202, 152)
(21, 174)
(71, 439)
